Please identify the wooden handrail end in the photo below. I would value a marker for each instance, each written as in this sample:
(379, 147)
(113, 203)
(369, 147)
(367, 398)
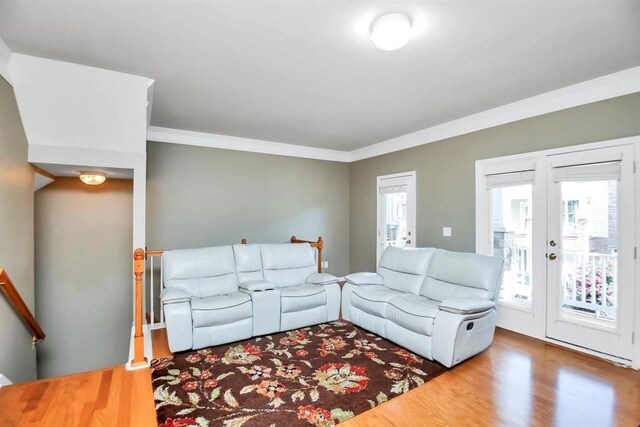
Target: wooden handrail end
(139, 254)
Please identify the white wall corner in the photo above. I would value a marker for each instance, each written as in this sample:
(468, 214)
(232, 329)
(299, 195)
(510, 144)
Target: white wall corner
(150, 101)
(5, 59)
(4, 381)
(211, 140)
(70, 105)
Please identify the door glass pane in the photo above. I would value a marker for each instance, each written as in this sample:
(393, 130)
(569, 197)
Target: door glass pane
(395, 219)
(511, 230)
(589, 250)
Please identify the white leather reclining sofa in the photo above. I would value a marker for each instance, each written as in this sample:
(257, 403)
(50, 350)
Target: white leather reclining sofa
(436, 303)
(224, 294)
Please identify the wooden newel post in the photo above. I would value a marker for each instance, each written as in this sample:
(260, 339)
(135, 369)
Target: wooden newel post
(138, 337)
(320, 247)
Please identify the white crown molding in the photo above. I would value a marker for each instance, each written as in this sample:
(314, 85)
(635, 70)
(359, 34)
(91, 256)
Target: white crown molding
(606, 87)
(5, 58)
(202, 139)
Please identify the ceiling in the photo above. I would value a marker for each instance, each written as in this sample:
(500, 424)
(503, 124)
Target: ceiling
(58, 170)
(306, 72)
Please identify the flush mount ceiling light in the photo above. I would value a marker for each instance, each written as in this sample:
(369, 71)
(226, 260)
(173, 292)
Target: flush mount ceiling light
(92, 178)
(391, 32)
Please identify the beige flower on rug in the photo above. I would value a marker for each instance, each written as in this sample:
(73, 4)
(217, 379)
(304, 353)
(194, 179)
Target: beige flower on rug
(293, 338)
(271, 389)
(288, 371)
(257, 372)
(365, 344)
(242, 355)
(331, 345)
(341, 378)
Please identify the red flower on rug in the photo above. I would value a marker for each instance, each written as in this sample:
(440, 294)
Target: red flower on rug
(317, 376)
(317, 416)
(178, 422)
(210, 383)
(407, 355)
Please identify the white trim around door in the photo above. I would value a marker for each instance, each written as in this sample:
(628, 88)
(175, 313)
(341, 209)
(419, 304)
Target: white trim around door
(529, 311)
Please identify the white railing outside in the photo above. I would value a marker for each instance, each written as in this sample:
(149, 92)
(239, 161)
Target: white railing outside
(154, 285)
(590, 282)
(516, 281)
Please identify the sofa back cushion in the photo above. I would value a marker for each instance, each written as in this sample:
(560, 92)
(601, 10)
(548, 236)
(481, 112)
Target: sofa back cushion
(248, 263)
(466, 275)
(287, 264)
(404, 269)
(202, 272)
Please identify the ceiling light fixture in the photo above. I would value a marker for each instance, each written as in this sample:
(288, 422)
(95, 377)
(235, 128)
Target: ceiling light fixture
(391, 32)
(92, 178)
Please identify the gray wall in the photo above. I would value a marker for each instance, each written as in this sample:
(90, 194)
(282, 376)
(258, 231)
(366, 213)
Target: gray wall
(445, 171)
(83, 274)
(204, 197)
(17, 358)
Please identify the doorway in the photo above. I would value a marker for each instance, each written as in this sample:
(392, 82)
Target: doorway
(396, 211)
(563, 220)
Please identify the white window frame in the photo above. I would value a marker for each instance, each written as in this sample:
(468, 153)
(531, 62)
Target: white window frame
(402, 178)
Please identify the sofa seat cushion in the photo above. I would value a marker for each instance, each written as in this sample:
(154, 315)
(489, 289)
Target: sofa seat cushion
(302, 297)
(413, 312)
(373, 299)
(221, 309)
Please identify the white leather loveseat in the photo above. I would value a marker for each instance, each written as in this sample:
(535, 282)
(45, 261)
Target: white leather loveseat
(436, 303)
(224, 294)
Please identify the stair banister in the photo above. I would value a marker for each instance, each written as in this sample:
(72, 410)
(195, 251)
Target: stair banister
(18, 304)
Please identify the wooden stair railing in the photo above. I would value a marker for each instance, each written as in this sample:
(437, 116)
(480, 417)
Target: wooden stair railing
(139, 256)
(16, 301)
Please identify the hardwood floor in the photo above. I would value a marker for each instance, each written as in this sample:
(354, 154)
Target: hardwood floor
(518, 381)
(106, 397)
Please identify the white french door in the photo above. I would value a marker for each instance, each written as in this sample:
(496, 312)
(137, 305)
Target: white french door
(590, 249)
(396, 211)
(564, 221)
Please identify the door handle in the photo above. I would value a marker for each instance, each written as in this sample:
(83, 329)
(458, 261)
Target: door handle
(552, 243)
(552, 256)
(408, 242)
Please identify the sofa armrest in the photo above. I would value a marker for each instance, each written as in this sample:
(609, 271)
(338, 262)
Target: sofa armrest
(174, 296)
(257, 286)
(364, 279)
(321, 279)
(466, 306)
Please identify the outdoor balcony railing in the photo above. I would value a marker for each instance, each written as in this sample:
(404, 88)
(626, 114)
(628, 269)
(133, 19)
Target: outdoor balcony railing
(590, 282)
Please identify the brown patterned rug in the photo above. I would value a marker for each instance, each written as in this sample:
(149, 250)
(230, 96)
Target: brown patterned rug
(313, 376)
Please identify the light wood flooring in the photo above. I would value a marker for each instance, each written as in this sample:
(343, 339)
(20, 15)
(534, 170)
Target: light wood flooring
(518, 381)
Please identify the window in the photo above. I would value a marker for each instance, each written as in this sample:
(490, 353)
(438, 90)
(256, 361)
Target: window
(512, 240)
(396, 211)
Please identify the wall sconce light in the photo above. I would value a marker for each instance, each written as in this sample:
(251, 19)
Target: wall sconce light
(92, 178)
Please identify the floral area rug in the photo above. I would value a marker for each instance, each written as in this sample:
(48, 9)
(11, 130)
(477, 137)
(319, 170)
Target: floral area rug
(318, 376)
